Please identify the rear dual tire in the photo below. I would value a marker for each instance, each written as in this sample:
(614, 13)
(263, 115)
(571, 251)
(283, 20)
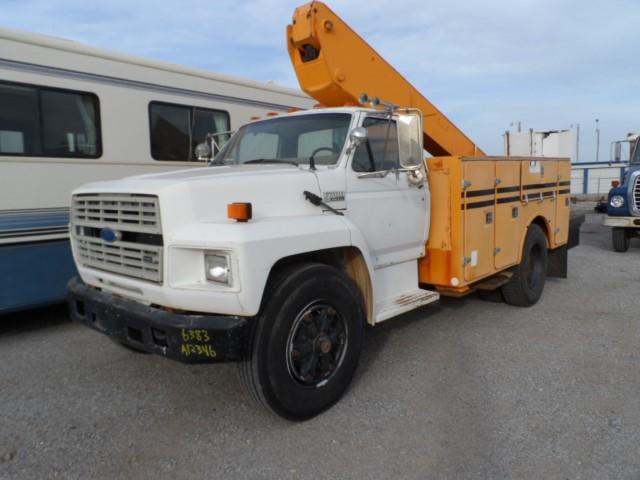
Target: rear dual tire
(527, 283)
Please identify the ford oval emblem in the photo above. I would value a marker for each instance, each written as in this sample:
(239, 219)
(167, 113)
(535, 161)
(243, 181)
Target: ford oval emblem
(109, 235)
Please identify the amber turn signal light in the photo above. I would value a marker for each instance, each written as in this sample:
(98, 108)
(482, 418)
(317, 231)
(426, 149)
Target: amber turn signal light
(615, 184)
(239, 211)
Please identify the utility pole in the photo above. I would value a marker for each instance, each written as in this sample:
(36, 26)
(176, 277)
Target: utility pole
(577, 143)
(597, 139)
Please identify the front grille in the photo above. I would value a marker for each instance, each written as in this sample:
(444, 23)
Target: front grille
(136, 250)
(635, 194)
(133, 213)
(130, 259)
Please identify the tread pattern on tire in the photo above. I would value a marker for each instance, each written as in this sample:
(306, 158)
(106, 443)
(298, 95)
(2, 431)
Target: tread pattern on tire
(620, 239)
(248, 368)
(513, 292)
(248, 376)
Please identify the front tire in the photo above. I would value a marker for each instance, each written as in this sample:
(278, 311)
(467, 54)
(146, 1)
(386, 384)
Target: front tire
(306, 343)
(620, 239)
(526, 286)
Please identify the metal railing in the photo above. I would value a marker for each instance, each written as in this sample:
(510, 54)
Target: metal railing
(595, 178)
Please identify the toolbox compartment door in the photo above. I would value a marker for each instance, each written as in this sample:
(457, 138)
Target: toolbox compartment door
(479, 217)
(508, 224)
(540, 191)
(563, 208)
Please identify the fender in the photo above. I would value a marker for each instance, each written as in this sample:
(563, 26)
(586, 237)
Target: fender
(533, 219)
(258, 245)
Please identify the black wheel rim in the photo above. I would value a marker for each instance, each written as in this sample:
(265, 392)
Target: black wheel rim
(316, 345)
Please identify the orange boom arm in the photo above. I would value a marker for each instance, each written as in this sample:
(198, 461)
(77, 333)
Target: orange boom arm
(335, 66)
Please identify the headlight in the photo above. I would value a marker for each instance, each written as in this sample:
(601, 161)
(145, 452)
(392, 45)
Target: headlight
(217, 267)
(616, 201)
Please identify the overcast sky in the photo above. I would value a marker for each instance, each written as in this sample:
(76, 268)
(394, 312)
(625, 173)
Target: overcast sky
(550, 64)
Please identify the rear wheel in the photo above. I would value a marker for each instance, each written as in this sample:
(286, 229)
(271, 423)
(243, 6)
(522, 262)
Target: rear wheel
(307, 342)
(620, 239)
(526, 286)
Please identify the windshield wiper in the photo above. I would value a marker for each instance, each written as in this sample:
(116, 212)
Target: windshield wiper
(271, 160)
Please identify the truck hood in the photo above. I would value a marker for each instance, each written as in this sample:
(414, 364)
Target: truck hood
(203, 194)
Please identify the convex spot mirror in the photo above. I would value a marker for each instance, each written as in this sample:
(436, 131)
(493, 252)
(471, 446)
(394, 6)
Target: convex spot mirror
(203, 152)
(410, 139)
(358, 136)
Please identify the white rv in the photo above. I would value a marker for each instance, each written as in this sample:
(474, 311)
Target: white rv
(71, 114)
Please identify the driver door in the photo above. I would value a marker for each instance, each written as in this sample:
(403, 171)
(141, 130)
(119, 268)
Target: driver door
(391, 214)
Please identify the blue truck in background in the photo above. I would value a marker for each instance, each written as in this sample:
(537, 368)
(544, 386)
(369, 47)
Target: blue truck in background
(623, 204)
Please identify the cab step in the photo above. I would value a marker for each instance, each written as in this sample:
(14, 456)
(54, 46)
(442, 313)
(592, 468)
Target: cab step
(405, 302)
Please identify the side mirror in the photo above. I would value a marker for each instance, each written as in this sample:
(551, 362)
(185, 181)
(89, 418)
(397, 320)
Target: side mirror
(203, 152)
(410, 137)
(358, 136)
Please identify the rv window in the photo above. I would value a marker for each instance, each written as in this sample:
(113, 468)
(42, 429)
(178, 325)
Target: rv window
(68, 125)
(176, 130)
(47, 122)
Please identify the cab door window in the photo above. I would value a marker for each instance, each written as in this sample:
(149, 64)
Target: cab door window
(381, 153)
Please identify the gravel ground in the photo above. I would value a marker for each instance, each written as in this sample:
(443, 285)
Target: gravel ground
(466, 389)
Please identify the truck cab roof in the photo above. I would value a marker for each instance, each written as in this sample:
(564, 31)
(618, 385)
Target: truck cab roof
(320, 110)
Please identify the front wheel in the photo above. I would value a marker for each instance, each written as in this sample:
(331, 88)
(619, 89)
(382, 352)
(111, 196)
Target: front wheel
(525, 287)
(307, 342)
(620, 239)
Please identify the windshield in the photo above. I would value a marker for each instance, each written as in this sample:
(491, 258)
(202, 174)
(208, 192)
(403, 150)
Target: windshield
(288, 140)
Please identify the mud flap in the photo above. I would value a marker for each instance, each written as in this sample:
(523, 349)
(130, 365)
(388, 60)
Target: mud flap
(575, 221)
(557, 265)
